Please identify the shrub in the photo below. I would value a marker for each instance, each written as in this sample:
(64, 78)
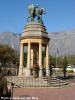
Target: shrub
(3, 87)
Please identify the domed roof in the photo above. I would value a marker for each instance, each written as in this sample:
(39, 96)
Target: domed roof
(34, 29)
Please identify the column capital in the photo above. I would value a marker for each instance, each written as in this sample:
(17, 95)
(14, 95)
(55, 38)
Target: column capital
(29, 42)
(22, 44)
(40, 42)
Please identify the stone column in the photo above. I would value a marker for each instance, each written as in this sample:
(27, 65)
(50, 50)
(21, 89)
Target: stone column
(28, 71)
(21, 60)
(31, 58)
(47, 60)
(40, 60)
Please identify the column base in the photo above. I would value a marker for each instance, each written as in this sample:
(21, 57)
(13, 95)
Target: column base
(40, 73)
(28, 72)
(47, 72)
(20, 71)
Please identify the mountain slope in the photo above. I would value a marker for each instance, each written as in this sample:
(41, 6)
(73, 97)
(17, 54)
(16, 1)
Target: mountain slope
(63, 40)
(10, 39)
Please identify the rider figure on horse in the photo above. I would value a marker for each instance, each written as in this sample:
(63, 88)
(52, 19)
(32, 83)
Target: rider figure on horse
(35, 12)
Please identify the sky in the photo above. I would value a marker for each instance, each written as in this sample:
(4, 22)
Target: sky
(60, 14)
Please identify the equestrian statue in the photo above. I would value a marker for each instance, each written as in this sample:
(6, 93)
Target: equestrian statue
(35, 12)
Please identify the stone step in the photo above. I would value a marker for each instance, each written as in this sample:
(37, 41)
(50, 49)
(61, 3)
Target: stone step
(36, 82)
(58, 83)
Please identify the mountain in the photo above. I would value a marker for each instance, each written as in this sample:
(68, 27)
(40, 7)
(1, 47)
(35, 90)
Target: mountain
(10, 39)
(63, 40)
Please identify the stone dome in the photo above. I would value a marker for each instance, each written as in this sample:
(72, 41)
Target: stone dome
(34, 29)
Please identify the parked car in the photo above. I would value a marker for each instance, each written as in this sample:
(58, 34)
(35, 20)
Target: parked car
(69, 69)
(69, 66)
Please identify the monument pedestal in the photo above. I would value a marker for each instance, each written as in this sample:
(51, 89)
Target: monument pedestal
(47, 72)
(20, 72)
(40, 73)
(28, 72)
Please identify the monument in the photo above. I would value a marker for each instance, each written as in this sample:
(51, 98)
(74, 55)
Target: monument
(34, 37)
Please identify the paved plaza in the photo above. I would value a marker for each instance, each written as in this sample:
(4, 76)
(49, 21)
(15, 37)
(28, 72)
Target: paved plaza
(67, 93)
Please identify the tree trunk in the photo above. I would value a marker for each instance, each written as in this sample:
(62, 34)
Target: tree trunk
(64, 73)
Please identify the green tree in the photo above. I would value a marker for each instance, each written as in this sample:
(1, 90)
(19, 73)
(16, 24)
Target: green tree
(8, 55)
(71, 60)
(65, 63)
(25, 59)
(52, 61)
(3, 85)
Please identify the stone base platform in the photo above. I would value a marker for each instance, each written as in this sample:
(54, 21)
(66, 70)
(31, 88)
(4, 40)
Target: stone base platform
(23, 82)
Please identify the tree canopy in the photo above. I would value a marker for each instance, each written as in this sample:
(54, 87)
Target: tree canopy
(8, 55)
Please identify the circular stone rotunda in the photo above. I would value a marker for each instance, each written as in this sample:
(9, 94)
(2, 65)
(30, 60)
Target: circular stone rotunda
(34, 37)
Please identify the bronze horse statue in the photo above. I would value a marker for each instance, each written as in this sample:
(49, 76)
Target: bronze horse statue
(35, 12)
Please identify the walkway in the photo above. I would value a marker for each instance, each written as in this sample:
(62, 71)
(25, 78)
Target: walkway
(67, 93)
